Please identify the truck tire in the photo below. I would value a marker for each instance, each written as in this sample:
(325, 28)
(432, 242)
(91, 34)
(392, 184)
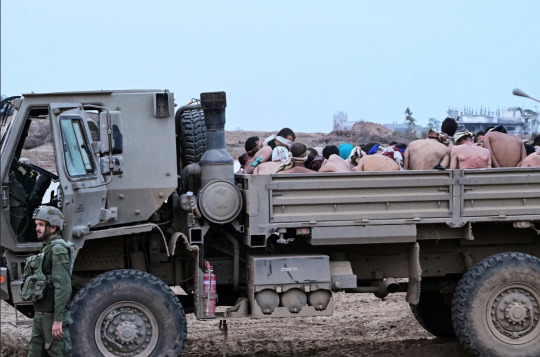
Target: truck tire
(434, 315)
(193, 134)
(495, 308)
(127, 313)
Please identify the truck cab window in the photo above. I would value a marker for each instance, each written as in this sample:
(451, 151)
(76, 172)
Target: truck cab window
(76, 148)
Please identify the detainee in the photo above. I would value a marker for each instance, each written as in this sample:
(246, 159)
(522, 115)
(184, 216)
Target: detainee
(285, 137)
(533, 159)
(430, 153)
(466, 155)
(297, 162)
(507, 150)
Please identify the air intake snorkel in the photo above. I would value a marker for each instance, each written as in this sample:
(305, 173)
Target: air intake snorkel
(220, 200)
(216, 163)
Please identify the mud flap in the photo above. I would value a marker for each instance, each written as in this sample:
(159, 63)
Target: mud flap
(415, 275)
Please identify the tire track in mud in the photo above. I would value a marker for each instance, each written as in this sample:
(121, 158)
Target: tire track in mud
(362, 325)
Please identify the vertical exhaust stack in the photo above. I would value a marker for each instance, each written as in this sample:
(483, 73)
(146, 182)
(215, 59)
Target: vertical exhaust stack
(216, 163)
(220, 200)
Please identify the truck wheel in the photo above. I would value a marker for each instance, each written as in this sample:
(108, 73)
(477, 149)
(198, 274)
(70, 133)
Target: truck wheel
(495, 309)
(433, 314)
(193, 134)
(127, 313)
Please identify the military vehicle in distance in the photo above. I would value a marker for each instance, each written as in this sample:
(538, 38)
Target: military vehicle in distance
(162, 224)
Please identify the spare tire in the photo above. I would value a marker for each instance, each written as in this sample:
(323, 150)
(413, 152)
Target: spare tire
(191, 126)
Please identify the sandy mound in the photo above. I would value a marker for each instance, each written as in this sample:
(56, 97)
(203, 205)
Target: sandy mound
(371, 128)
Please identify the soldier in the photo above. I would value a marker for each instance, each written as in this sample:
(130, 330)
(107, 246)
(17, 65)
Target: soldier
(47, 283)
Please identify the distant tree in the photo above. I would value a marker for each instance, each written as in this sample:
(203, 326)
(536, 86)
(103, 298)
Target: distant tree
(434, 124)
(409, 120)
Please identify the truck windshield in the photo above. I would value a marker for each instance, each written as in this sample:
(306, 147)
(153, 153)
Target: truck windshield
(78, 160)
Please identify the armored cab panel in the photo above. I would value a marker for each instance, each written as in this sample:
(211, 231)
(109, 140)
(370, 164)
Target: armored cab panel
(138, 170)
(149, 172)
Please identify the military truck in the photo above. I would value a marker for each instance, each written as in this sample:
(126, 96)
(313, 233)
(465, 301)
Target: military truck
(163, 225)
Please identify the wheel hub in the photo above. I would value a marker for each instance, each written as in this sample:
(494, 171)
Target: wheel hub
(126, 332)
(126, 329)
(514, 313)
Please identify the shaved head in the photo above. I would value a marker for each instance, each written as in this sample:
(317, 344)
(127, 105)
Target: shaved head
(298, 149)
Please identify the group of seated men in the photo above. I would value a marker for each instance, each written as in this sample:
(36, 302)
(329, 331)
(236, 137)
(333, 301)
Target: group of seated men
(448, 149)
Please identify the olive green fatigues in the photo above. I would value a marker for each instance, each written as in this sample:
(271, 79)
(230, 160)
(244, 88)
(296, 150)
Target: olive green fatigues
(53, 306)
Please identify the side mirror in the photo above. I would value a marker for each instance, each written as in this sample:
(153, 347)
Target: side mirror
(110, 132)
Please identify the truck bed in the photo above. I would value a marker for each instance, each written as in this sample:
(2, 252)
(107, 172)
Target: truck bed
(366, 203)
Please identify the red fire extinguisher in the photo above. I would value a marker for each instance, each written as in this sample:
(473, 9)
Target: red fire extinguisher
(209, 292)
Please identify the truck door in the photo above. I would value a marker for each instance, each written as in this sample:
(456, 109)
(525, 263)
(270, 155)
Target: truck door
(82, 190)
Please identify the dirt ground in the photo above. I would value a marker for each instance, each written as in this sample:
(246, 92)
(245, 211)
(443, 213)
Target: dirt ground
(362, 325)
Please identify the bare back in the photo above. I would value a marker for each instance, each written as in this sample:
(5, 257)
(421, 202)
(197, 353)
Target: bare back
(507, 150)
(264, 153)
(426, 154)
(266, 168)
(335, 164)
(469, 156)
(533, 160)
(297, 170)
(376, 163)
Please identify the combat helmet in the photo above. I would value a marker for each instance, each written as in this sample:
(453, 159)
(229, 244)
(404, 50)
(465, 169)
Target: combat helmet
(50, 214)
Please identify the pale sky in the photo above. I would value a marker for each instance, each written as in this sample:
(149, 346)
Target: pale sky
(282, 63)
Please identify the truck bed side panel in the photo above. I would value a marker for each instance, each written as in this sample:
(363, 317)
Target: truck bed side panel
(500, 193)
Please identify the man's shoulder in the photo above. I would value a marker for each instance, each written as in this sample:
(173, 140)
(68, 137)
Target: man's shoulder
(416, 143)
(383, 158)
(422, 143)
(532, 157)
(264, 149)
(482, 149)
(512, 137)
(61, 250)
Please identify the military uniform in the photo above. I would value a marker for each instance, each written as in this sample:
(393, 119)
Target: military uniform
(57, 265)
